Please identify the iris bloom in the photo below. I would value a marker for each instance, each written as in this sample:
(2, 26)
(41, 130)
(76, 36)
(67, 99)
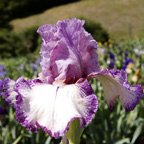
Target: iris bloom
(62, 92)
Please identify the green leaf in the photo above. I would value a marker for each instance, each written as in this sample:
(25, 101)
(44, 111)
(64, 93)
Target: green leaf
(136, 133)
(123, 141)
(74, 133)
(17, 140)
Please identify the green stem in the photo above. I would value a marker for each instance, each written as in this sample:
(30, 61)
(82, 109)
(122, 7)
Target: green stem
(74, 133)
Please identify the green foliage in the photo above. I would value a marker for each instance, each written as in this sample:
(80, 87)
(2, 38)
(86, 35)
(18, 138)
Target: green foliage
(97, 31)
(108, 127)
(16, 44)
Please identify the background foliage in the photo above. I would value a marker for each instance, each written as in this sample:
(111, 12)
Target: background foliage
(19, 57)
(96, 29)
(108, 127)
(17, 44)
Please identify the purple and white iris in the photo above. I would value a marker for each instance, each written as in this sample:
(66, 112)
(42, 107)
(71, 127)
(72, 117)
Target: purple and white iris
(62, 92)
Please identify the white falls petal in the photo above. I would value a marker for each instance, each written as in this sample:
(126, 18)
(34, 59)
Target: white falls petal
(53, 107)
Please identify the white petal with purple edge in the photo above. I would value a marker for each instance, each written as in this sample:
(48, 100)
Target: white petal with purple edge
(53, 107)
(115, 85)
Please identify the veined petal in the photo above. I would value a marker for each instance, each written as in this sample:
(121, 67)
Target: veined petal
(53, 107)
(68, 52)
(83, 43)
(7, 91)
(115, 85)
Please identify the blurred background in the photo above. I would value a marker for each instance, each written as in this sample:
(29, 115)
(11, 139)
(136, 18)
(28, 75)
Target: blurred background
(117, 26)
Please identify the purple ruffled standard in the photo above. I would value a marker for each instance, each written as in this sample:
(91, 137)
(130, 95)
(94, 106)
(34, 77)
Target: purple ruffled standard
(62, 92)
(68, 51)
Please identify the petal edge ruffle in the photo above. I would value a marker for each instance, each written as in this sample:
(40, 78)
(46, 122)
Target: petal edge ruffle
(116, 85)
(53, 108)
(68, 52)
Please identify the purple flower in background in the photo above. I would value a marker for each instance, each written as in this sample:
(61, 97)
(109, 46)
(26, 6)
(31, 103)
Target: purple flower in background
(127, 61)
(111, 63)
(111, 55)
(62, 92)
(35, 66)
(2, 71)
(1, 67)
(38, 60)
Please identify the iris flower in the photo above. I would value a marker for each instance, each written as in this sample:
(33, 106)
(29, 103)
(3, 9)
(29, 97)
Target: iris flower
(62, 92)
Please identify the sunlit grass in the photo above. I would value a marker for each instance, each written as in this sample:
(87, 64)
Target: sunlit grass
(123, 18)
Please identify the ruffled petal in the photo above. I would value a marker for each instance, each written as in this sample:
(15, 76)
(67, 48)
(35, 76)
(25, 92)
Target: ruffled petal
(68, 52)
(7, 91)
(53, 107)
(115, 85)
(82, 42)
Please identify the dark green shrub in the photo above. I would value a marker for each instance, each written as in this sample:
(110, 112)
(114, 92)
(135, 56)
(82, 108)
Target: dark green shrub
(97, 31)
(11, 9)
(16, 44)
